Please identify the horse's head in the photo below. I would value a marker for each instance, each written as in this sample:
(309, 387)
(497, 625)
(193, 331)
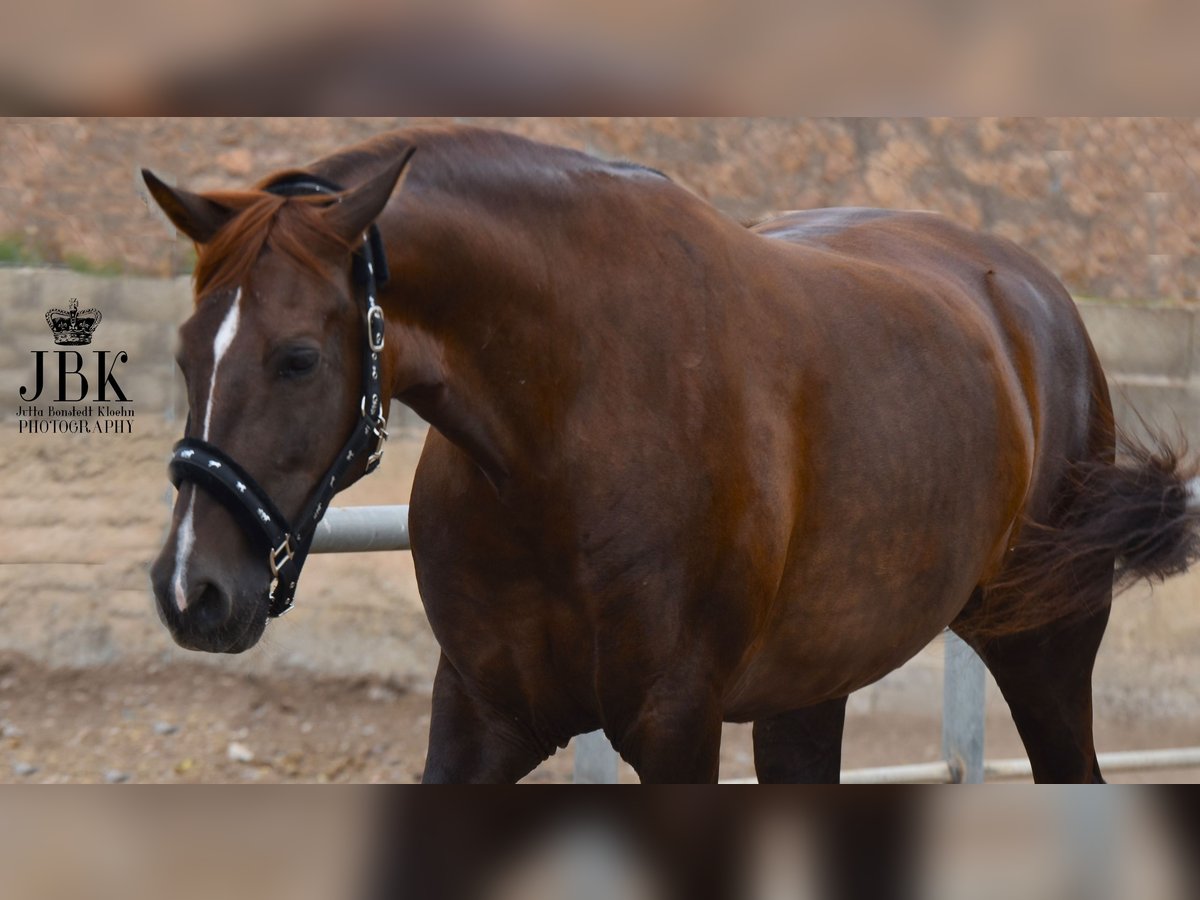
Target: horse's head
(273, 358)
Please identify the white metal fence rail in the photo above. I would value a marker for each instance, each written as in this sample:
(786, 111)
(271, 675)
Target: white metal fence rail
(366, 528)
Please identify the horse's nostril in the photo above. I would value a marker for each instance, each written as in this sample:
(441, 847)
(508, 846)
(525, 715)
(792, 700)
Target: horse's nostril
(209, 607)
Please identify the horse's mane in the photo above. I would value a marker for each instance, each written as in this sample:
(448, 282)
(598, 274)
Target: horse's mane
(289, 225)
(486, 166)
(471, 159)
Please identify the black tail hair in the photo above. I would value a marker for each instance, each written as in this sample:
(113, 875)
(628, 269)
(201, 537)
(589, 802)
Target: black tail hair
(1138, 513)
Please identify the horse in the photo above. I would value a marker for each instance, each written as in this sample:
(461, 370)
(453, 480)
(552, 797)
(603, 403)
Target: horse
(680, 471)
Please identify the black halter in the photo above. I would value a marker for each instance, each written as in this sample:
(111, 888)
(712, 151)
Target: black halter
(209, 467)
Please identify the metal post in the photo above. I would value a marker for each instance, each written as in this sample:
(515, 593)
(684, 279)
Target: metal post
(595, 759)
(962, 711)
(362, 529)
(1110, 763)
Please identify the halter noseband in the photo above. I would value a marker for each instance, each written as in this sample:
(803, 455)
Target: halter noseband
(211, 468)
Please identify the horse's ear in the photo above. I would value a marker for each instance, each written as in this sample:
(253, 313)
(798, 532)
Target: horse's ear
(193, 214)
(359, 207)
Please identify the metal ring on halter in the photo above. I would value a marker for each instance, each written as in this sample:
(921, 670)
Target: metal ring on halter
(280, 556)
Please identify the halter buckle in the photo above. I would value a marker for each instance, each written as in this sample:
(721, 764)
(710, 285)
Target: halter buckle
(375, 321)
(280, 557)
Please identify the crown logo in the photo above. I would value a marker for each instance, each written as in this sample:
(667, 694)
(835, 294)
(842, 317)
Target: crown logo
(71, 326)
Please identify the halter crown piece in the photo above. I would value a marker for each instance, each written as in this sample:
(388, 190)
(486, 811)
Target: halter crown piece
(287, 543)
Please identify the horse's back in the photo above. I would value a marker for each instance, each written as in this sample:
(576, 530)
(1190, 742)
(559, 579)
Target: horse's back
(813, 225)
(916, 242)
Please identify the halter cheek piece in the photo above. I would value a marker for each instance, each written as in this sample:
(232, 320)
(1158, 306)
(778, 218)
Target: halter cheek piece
(287, 544)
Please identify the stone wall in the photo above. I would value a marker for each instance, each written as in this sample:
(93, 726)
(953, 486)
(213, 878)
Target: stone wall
(1151, 355)
(1109, 204)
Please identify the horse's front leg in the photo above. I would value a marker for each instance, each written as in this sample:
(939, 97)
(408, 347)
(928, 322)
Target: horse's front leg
(472, 741)
(675, 735)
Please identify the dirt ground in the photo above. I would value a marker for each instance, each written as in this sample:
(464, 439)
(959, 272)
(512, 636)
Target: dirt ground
(197, 724)
(93, 690)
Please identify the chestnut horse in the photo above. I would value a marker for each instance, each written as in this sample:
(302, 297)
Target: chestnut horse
(680, 471)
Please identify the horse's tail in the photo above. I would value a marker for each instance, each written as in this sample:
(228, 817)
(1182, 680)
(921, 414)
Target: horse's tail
(1142, 509)
(1138, 517)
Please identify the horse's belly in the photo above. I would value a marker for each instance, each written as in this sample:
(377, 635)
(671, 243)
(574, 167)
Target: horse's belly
(836, 629)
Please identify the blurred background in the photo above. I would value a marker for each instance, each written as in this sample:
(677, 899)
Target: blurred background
(752, 56)
(660, 844)
(91, 686)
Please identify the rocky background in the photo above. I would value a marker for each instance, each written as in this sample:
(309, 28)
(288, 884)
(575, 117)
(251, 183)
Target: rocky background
(1109, 204)
(93, 689)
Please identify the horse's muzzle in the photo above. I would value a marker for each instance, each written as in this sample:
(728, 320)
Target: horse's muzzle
(214, 618)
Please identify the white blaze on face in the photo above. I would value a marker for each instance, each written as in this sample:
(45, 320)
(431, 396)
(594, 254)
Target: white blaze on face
(185, 537)
(221, 342)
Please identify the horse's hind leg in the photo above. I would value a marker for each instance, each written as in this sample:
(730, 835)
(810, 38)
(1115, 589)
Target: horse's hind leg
(1045, 675)
(802, 746)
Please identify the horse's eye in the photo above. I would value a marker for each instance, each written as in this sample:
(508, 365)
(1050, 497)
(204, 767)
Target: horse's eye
(299, 361)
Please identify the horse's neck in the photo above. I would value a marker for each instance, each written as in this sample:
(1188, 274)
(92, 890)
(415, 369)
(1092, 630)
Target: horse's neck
(473, 319)
(499, 313)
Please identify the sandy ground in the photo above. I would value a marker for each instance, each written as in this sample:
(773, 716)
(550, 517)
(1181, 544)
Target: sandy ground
(194, 723)
(92, 689)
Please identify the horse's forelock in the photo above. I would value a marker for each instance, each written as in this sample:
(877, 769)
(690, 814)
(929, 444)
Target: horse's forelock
(290, 225)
